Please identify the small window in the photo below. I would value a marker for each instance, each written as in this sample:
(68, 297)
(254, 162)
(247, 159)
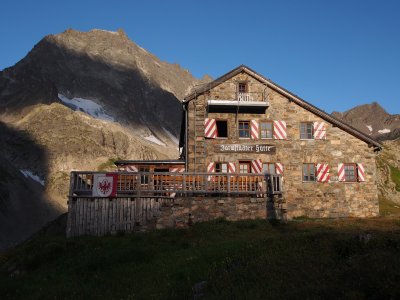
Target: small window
(244, 129)
(350, 172)
(269, 168)
(266, 129)
(221, 167)
(144, 179)
(308, 172)
(244, 167)
(306, 131)
(242, 87)
(222, 128)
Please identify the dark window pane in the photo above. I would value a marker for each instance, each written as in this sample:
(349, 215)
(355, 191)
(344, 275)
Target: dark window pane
(222, 128)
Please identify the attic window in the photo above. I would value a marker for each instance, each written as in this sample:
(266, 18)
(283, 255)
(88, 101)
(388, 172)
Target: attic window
(242, 87)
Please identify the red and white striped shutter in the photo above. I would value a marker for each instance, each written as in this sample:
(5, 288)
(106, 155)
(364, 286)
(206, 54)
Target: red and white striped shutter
(255, 132)
(210, 128)
(231, 167)
(322, 173)
(341, 175)
(279, 168)
(280, 130)
(131, 168)
(177, 169)
(256, 166)
(177, 185)
(361, 172)
(210, 169)
(319, 130)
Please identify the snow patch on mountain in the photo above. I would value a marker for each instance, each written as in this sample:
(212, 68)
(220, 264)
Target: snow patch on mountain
(34, 177)
(384, 131)
(87, 106)
(153, 139)
(171, 136)
(369, 127)
(113, 32)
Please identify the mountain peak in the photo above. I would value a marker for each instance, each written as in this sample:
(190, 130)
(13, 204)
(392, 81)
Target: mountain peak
(373, 120)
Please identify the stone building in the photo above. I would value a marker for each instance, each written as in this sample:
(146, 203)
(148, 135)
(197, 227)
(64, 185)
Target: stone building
(243, 122)
(249, 149)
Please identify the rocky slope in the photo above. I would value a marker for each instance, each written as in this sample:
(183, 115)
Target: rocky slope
(78, 100)
(388, 163)
(373, 120)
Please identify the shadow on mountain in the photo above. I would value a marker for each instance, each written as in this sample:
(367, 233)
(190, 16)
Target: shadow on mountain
(124, 91)
(24, 206)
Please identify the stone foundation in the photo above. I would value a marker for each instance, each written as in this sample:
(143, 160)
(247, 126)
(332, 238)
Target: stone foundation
(181, 212)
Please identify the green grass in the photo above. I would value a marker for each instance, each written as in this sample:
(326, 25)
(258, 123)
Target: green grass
(395, 175)
(388, 208)
(244, 260)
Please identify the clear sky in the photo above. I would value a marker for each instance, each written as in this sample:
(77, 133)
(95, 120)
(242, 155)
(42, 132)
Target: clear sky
(335, 53)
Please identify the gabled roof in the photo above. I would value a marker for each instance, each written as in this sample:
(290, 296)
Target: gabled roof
(292, 97)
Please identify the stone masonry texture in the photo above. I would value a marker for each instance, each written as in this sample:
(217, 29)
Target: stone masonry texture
(310, 199)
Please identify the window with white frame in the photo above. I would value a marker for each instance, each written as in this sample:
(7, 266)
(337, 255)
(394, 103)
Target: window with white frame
(266, 129)
(306, 130)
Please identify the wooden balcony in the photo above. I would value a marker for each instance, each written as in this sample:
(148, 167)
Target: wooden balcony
(170, 184)
(242, 102)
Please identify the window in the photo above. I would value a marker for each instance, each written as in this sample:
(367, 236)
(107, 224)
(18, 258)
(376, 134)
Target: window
(350, 172)
(242, 87)
(222, 128)
(244, 167)
(221, 167)
(306, 131)
(244, 129)
(266, 130)
(144, 179)
(269, 168)
(308, 172)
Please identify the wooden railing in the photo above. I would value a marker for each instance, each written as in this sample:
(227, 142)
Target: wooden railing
(241, 97)
(169, 184)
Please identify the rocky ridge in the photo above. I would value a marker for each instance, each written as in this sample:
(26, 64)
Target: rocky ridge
(80, 100)
(373, 120)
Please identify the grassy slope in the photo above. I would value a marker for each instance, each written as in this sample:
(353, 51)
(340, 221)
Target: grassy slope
(395, 175)
(249, 259)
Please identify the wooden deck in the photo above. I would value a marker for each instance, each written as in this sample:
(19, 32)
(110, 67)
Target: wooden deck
(170, 185)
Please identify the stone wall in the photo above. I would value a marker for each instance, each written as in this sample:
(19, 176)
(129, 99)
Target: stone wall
(182, 211)
(313, 199)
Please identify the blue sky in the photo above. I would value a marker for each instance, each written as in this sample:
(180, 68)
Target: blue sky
(335, 54)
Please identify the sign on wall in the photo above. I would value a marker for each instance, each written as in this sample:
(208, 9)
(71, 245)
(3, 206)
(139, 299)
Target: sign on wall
(245, 148)
(104, 185)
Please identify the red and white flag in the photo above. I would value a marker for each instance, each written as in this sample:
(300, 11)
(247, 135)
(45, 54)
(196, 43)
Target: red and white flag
(105, 185)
